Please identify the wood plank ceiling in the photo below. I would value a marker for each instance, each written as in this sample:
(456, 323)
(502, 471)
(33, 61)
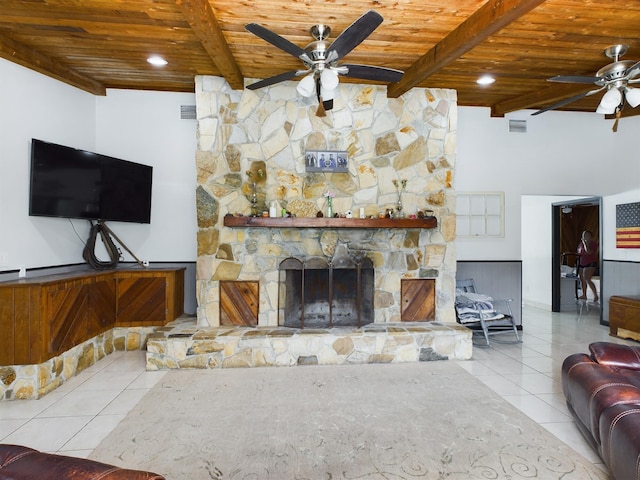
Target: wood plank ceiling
(100, 44)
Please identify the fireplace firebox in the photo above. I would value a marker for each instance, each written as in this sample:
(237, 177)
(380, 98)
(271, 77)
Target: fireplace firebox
(319, 293)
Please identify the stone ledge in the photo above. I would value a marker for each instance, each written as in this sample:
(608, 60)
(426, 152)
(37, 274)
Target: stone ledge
(33, 381)
(182, 344)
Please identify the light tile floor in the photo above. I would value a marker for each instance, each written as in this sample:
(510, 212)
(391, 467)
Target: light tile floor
(528, 374)
(73, 419)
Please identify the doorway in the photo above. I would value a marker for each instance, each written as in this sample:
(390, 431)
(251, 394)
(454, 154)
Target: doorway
(569, 220)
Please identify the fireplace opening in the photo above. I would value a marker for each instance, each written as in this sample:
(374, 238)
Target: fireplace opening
(316, 293)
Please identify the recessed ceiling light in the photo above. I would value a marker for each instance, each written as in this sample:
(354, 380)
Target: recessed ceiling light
(157, 61)
(485, 80)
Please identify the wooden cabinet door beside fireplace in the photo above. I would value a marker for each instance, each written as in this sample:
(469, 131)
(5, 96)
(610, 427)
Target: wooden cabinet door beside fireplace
(239, 302)
(418, 300)
(149, 297)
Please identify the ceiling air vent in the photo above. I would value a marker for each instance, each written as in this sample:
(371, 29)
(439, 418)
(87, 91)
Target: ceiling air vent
(518, 126)
(187, 112)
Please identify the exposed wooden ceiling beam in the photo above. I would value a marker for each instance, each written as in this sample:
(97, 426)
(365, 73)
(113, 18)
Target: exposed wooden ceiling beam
(545, 96)
(27, 57)
(204, 24)
(487, 20)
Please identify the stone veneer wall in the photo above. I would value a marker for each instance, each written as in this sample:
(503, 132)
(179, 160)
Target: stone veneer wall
(30, 382)
(261, 136)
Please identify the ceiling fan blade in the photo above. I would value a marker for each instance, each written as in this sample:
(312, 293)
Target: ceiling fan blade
(574, 79)
(276, 79)
(568, 100)
(632, 71)
(355, 33)
(368, 72)
(278, 41)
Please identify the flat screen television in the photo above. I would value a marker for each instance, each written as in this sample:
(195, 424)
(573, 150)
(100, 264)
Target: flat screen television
(72, 183)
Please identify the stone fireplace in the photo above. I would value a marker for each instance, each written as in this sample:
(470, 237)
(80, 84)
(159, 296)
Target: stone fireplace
(254, 142)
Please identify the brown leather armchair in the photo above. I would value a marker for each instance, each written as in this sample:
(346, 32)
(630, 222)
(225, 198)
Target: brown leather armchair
(602, 390)
(24, 463)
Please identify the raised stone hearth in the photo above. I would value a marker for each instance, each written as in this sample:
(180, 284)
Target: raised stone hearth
(183, 344)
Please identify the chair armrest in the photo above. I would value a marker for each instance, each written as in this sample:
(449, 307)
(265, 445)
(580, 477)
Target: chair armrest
(615, 355)
(504, 301)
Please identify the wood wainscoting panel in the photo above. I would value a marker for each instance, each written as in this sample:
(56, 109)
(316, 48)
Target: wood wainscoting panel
(239, 302)
(418, 299)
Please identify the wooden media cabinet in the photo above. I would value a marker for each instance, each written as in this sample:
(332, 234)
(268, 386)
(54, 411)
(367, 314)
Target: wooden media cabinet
(42, 317)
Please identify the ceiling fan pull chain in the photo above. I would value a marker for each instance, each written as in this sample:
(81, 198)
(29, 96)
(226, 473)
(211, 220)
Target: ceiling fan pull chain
(615, 123)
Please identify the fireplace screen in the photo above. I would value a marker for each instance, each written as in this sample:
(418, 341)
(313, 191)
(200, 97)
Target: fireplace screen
(316, 293)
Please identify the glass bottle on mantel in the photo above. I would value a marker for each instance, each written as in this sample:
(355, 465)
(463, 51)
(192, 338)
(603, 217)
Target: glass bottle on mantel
(329, 207)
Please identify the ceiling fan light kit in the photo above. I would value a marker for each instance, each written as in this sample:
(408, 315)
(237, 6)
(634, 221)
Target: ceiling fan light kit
(605, 111)
(611, 100)
(329, 79)
(321, 58)
(307, 86)
(632, 95)
(327, 94)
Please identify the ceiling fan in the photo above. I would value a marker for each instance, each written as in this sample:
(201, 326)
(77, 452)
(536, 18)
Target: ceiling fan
(615, 78)
(320, 59)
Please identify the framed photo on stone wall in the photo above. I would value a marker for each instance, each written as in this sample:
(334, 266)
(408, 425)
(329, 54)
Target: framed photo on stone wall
(333, 161)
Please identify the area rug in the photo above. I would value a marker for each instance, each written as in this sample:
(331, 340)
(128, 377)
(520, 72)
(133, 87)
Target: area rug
(428, 420)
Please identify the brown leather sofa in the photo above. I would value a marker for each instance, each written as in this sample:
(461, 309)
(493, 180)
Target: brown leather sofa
(602, 390)
(23, 463)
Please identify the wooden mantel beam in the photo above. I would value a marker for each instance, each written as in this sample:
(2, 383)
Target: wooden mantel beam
(487, 20)
(204, 24)
(21, 54)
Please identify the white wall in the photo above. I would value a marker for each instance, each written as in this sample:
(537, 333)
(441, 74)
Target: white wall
(34, 106)
(562, 153)
(143, 127)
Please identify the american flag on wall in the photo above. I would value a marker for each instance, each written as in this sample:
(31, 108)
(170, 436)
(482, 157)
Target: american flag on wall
(628, 225)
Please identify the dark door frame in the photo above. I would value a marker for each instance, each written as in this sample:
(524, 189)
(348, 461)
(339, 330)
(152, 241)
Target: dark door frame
(555, 246)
